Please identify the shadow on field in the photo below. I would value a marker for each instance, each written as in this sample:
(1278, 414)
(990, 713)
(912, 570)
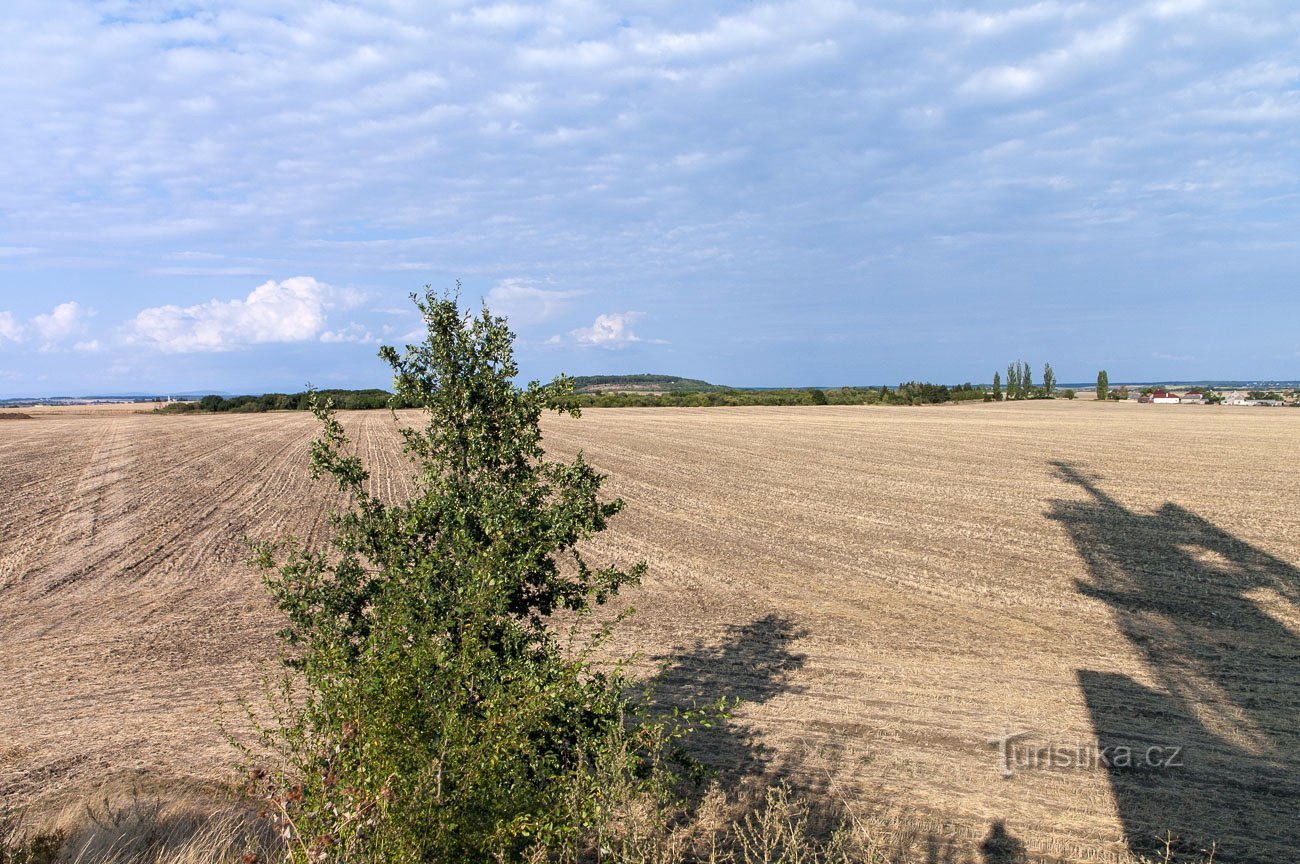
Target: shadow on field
(1209, 752)
(753, 663)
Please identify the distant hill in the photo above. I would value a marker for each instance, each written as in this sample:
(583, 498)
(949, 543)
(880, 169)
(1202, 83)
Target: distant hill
(643, 383)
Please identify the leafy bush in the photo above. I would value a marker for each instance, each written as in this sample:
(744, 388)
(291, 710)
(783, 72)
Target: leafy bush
(440, 719)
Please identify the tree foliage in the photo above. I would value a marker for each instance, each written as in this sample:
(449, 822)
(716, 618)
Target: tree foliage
(440, 720)
(1103, 385)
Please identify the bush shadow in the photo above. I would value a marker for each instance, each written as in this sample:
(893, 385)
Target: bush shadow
(750, 665)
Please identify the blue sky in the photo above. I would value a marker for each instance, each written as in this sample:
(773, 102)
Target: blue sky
(240, 195)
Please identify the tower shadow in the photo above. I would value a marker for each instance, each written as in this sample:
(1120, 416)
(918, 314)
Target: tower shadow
(1204, 752)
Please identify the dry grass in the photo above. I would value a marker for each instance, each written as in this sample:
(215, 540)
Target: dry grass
(886, 588)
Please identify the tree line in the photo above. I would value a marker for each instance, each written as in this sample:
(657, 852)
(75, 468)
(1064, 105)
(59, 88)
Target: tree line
(906, 393)
(347, 400)
(1020, 383)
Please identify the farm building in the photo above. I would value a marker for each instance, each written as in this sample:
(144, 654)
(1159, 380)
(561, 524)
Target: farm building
(1192, 397)
(1161, 397)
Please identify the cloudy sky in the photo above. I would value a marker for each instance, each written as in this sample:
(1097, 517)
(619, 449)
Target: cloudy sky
(240, 194)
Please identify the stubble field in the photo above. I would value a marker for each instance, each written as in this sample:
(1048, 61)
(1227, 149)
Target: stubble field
(887, 589)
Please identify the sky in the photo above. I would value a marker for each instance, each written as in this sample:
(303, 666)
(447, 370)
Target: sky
(240, 195)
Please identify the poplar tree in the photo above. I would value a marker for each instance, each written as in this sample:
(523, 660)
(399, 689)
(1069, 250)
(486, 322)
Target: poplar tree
(1103, 385)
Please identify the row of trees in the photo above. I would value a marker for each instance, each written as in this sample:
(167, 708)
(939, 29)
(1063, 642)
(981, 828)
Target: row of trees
(349, 400)
(1019, 385)
(1020, 382)
(906, 393)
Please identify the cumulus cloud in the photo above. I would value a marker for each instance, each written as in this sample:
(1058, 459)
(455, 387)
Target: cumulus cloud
(66, 320)
(51, 329)
(292, 310)
(612, 330)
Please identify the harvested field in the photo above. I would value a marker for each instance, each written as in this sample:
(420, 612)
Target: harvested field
(888, 589)
(101, 409)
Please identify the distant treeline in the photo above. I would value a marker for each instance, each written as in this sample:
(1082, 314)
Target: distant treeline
(348, 400)
(907, 393)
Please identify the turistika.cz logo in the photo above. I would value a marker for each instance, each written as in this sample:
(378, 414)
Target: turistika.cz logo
(1017, 753)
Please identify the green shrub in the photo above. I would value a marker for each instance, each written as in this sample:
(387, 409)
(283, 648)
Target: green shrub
(440, 718)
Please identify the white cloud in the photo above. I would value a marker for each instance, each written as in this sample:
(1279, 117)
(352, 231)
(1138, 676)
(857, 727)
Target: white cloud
(50, 328)
(522, 302)
(500, 15)
(1049, 68)
(293, 310)
(612, 330)
(10, 329)
(88, 346)
(1174, 8)
(354, 332)
(66, 319)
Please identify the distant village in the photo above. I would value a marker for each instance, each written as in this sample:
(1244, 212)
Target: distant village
(1210, 396)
